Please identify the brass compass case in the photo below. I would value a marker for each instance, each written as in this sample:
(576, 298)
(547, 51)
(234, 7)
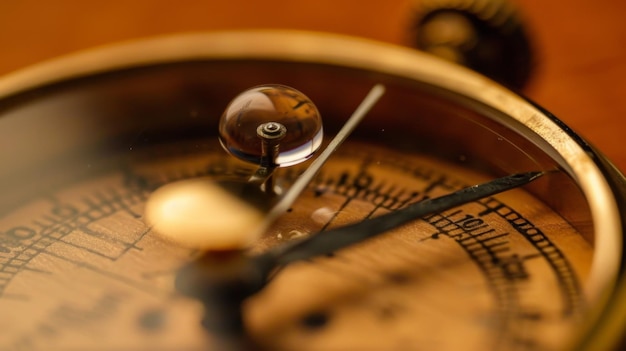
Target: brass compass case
(131, 117)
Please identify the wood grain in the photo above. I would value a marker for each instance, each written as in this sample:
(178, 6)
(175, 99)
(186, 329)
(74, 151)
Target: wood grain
(581, 45)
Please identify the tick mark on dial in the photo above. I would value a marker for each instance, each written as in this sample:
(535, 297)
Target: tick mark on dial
(388, 312)
(399, 278)
(152, 320)
(532, 316)
(319, 192)
(315, 320)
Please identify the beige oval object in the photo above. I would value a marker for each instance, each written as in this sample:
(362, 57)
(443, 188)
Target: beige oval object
(198, 213)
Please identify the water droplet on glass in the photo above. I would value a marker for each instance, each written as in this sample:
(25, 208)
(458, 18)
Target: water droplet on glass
(271, 104)
(323, 215)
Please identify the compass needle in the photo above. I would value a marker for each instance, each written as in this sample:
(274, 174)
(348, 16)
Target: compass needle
(173, 207)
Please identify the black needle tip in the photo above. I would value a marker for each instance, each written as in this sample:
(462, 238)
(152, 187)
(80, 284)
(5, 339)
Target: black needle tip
(335, 239)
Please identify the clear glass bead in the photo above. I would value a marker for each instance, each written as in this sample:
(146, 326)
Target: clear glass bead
(271, 103)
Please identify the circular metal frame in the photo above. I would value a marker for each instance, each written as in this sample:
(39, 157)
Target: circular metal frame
(602, 185)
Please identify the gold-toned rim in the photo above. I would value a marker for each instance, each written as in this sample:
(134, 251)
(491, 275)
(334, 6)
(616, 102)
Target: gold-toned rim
(298, 46)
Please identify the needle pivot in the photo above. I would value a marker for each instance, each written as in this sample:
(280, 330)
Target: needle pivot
(271, 131)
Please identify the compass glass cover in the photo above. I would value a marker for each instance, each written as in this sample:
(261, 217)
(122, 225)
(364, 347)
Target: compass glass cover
(81, 269)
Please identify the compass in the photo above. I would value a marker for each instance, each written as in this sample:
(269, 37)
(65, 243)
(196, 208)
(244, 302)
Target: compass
(90, 138)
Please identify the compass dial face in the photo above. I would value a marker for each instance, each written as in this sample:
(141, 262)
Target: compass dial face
(81, 269)
(487, 270)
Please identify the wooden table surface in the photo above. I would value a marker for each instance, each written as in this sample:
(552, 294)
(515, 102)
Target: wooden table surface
(581, 44)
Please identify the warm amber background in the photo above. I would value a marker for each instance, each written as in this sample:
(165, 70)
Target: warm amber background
(581, 44)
